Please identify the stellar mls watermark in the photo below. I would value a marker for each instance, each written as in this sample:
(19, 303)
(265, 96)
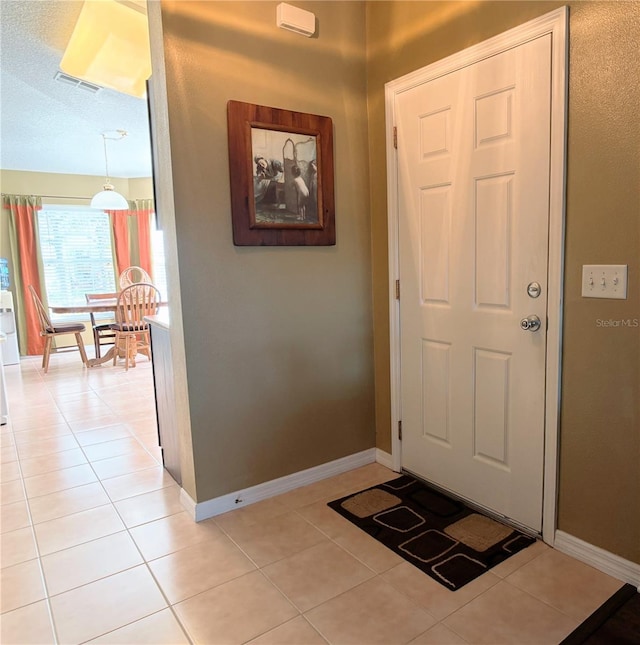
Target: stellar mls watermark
(620, 322)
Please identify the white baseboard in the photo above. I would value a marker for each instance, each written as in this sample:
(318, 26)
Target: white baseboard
(384, 458)
(598, 558)
(218, 505)
(188, 503)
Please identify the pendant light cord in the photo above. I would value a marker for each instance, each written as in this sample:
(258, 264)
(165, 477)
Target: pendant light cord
(106, 161)
(121, 135)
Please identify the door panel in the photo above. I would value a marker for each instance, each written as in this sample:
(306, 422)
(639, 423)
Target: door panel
(473, 201)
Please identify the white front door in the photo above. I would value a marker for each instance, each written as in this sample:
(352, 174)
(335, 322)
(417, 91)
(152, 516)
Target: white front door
(473, 166)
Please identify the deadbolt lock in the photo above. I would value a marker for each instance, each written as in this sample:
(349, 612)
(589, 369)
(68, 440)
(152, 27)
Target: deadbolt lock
(534, 289)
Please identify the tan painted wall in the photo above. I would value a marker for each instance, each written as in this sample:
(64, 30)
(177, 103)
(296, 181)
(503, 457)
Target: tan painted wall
(600, 428)
(600, 447)
(278, 341)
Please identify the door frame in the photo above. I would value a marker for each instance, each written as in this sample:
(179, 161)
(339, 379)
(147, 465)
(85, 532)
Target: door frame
(554, 23)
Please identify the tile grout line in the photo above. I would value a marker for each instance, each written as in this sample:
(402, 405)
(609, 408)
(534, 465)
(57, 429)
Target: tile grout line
(298, 511)
(39, 557)
(144, 560)
(376, 575)
(38, 554)
(52, 622)
(135, 544)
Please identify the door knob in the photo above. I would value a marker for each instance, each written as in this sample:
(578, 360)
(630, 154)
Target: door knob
(530, 323)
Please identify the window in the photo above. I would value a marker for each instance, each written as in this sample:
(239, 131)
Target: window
(76, 254)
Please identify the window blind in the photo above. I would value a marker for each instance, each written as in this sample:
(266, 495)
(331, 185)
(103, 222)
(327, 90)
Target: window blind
(76, 255)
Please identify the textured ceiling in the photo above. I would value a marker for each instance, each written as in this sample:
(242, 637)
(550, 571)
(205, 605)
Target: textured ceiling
(48, 126)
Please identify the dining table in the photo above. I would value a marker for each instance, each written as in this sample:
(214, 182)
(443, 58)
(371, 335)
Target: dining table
(103, 305)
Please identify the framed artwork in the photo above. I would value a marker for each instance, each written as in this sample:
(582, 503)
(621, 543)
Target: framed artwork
(281, 173)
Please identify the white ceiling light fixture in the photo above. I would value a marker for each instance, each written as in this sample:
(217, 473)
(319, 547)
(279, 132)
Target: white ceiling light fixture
(108, 199)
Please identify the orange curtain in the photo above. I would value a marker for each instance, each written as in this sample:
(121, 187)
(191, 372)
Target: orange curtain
(142, 212)
(119, 224)
(24, 251)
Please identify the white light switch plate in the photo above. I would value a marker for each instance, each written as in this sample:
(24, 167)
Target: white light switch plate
(604, 281)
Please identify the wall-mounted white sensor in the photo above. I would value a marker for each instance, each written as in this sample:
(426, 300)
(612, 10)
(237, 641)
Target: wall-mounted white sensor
(295, 19)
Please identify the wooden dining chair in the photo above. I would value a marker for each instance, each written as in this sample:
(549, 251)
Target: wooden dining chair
(133, 275)
(101, 331)
(135, 302)
(49, 330)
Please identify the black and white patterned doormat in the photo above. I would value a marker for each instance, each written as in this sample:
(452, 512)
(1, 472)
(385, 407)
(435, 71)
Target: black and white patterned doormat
(441, 536)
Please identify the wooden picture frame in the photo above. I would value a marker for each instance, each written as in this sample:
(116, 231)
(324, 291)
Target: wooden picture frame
(281, 176)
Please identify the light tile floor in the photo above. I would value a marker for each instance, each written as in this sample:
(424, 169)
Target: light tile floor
(97, 548)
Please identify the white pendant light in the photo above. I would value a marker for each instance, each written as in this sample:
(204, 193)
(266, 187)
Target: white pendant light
(109, 199)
